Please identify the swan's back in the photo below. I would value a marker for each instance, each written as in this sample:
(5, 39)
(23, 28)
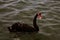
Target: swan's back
(22, 27)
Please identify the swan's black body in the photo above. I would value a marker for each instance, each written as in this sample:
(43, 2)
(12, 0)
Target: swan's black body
(21, 27)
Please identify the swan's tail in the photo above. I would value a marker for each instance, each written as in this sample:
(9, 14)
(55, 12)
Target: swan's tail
(10, 30)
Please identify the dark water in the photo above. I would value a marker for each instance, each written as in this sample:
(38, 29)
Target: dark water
(12, 11)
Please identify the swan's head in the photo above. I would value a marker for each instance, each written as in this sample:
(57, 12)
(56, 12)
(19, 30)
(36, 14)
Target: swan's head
(39, 15)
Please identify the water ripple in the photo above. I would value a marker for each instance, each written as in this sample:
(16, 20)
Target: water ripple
(23, 10)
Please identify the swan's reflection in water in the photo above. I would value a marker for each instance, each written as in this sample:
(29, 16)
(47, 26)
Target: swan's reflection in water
(28, 36)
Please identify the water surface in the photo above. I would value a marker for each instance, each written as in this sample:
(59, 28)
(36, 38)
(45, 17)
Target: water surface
(12, 11)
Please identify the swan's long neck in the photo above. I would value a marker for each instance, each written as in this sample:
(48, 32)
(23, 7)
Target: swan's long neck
(34, 23)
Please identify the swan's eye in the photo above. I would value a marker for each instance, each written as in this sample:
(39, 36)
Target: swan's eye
(39, 14)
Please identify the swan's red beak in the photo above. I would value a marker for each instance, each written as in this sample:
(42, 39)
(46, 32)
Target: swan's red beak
(39, 16)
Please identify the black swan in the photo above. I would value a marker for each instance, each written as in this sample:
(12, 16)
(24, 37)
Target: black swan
(22, 27)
